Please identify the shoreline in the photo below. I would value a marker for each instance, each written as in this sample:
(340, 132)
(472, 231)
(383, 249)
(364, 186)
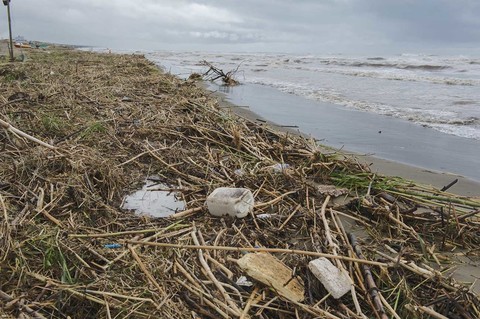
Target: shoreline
(464, 186)
(342, 126)
(425, 172)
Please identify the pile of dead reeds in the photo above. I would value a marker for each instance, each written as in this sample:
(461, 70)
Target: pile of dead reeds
(112, 120)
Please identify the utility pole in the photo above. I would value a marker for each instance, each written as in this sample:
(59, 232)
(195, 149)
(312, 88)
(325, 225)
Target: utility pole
(7, 3)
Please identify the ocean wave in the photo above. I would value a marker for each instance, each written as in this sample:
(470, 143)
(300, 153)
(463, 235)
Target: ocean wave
(461, 131)
(385, 65)
(397, 76)
(428, 67)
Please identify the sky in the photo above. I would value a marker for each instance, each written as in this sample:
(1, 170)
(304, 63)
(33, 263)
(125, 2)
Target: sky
(307, 26)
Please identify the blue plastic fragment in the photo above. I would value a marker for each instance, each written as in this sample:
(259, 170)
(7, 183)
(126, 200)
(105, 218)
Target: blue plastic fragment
(112, 246)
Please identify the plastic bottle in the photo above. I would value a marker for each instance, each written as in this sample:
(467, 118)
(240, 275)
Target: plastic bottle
(236, 202)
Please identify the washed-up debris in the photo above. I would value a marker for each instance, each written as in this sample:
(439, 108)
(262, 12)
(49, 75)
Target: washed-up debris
(264, 216)
(235, 202)
(112, 246)
(18, 96)
(195, 77)
(331, 190)
(244, 282)
(239, 172)
(62, 203)
(214, 73)
(280, 168)
(336, 281)
(154, 200)
(272, 272)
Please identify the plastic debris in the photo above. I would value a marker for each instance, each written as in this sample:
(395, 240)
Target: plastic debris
(272, 272)
(112, 246)
(239, 172)
(336, 281)
(236, 202)
(244, 282)
(264, 216)
(280, 167)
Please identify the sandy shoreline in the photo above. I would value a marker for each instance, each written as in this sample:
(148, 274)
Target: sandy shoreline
(464, 186)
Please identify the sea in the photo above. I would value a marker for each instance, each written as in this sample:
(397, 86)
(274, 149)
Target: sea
(419, 109)
(442, 93)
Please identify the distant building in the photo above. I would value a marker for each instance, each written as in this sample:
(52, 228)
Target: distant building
(20, 39)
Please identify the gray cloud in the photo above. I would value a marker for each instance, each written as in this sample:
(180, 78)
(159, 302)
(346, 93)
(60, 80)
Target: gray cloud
(260, 25)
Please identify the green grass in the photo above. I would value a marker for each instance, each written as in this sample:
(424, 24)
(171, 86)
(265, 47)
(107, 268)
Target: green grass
(93, 129)
(54, 259)
(52, 124)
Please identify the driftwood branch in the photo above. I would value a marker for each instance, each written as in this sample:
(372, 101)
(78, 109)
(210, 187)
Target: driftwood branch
(215, 73)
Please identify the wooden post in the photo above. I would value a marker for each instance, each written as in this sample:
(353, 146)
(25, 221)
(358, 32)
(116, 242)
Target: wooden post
(10, 30)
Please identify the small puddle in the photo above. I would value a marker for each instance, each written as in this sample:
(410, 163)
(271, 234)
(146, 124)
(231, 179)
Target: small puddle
(154, 199)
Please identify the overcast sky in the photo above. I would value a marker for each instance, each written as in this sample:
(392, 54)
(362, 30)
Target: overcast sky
(315, 26)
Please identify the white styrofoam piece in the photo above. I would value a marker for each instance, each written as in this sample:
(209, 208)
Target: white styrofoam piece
(336, 281)
(236, 202)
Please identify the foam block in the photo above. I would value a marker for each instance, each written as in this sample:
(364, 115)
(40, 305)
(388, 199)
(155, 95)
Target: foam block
(336, 281)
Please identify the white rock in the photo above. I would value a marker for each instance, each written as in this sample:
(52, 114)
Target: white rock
(336, 281)
(236, 202)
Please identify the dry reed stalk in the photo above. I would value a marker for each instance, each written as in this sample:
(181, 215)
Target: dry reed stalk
(259, 249)
(17, 302)
(249, 304)
(207, 301)
(427, 311)
(372, 287)
(7, 126)
(233, 309)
